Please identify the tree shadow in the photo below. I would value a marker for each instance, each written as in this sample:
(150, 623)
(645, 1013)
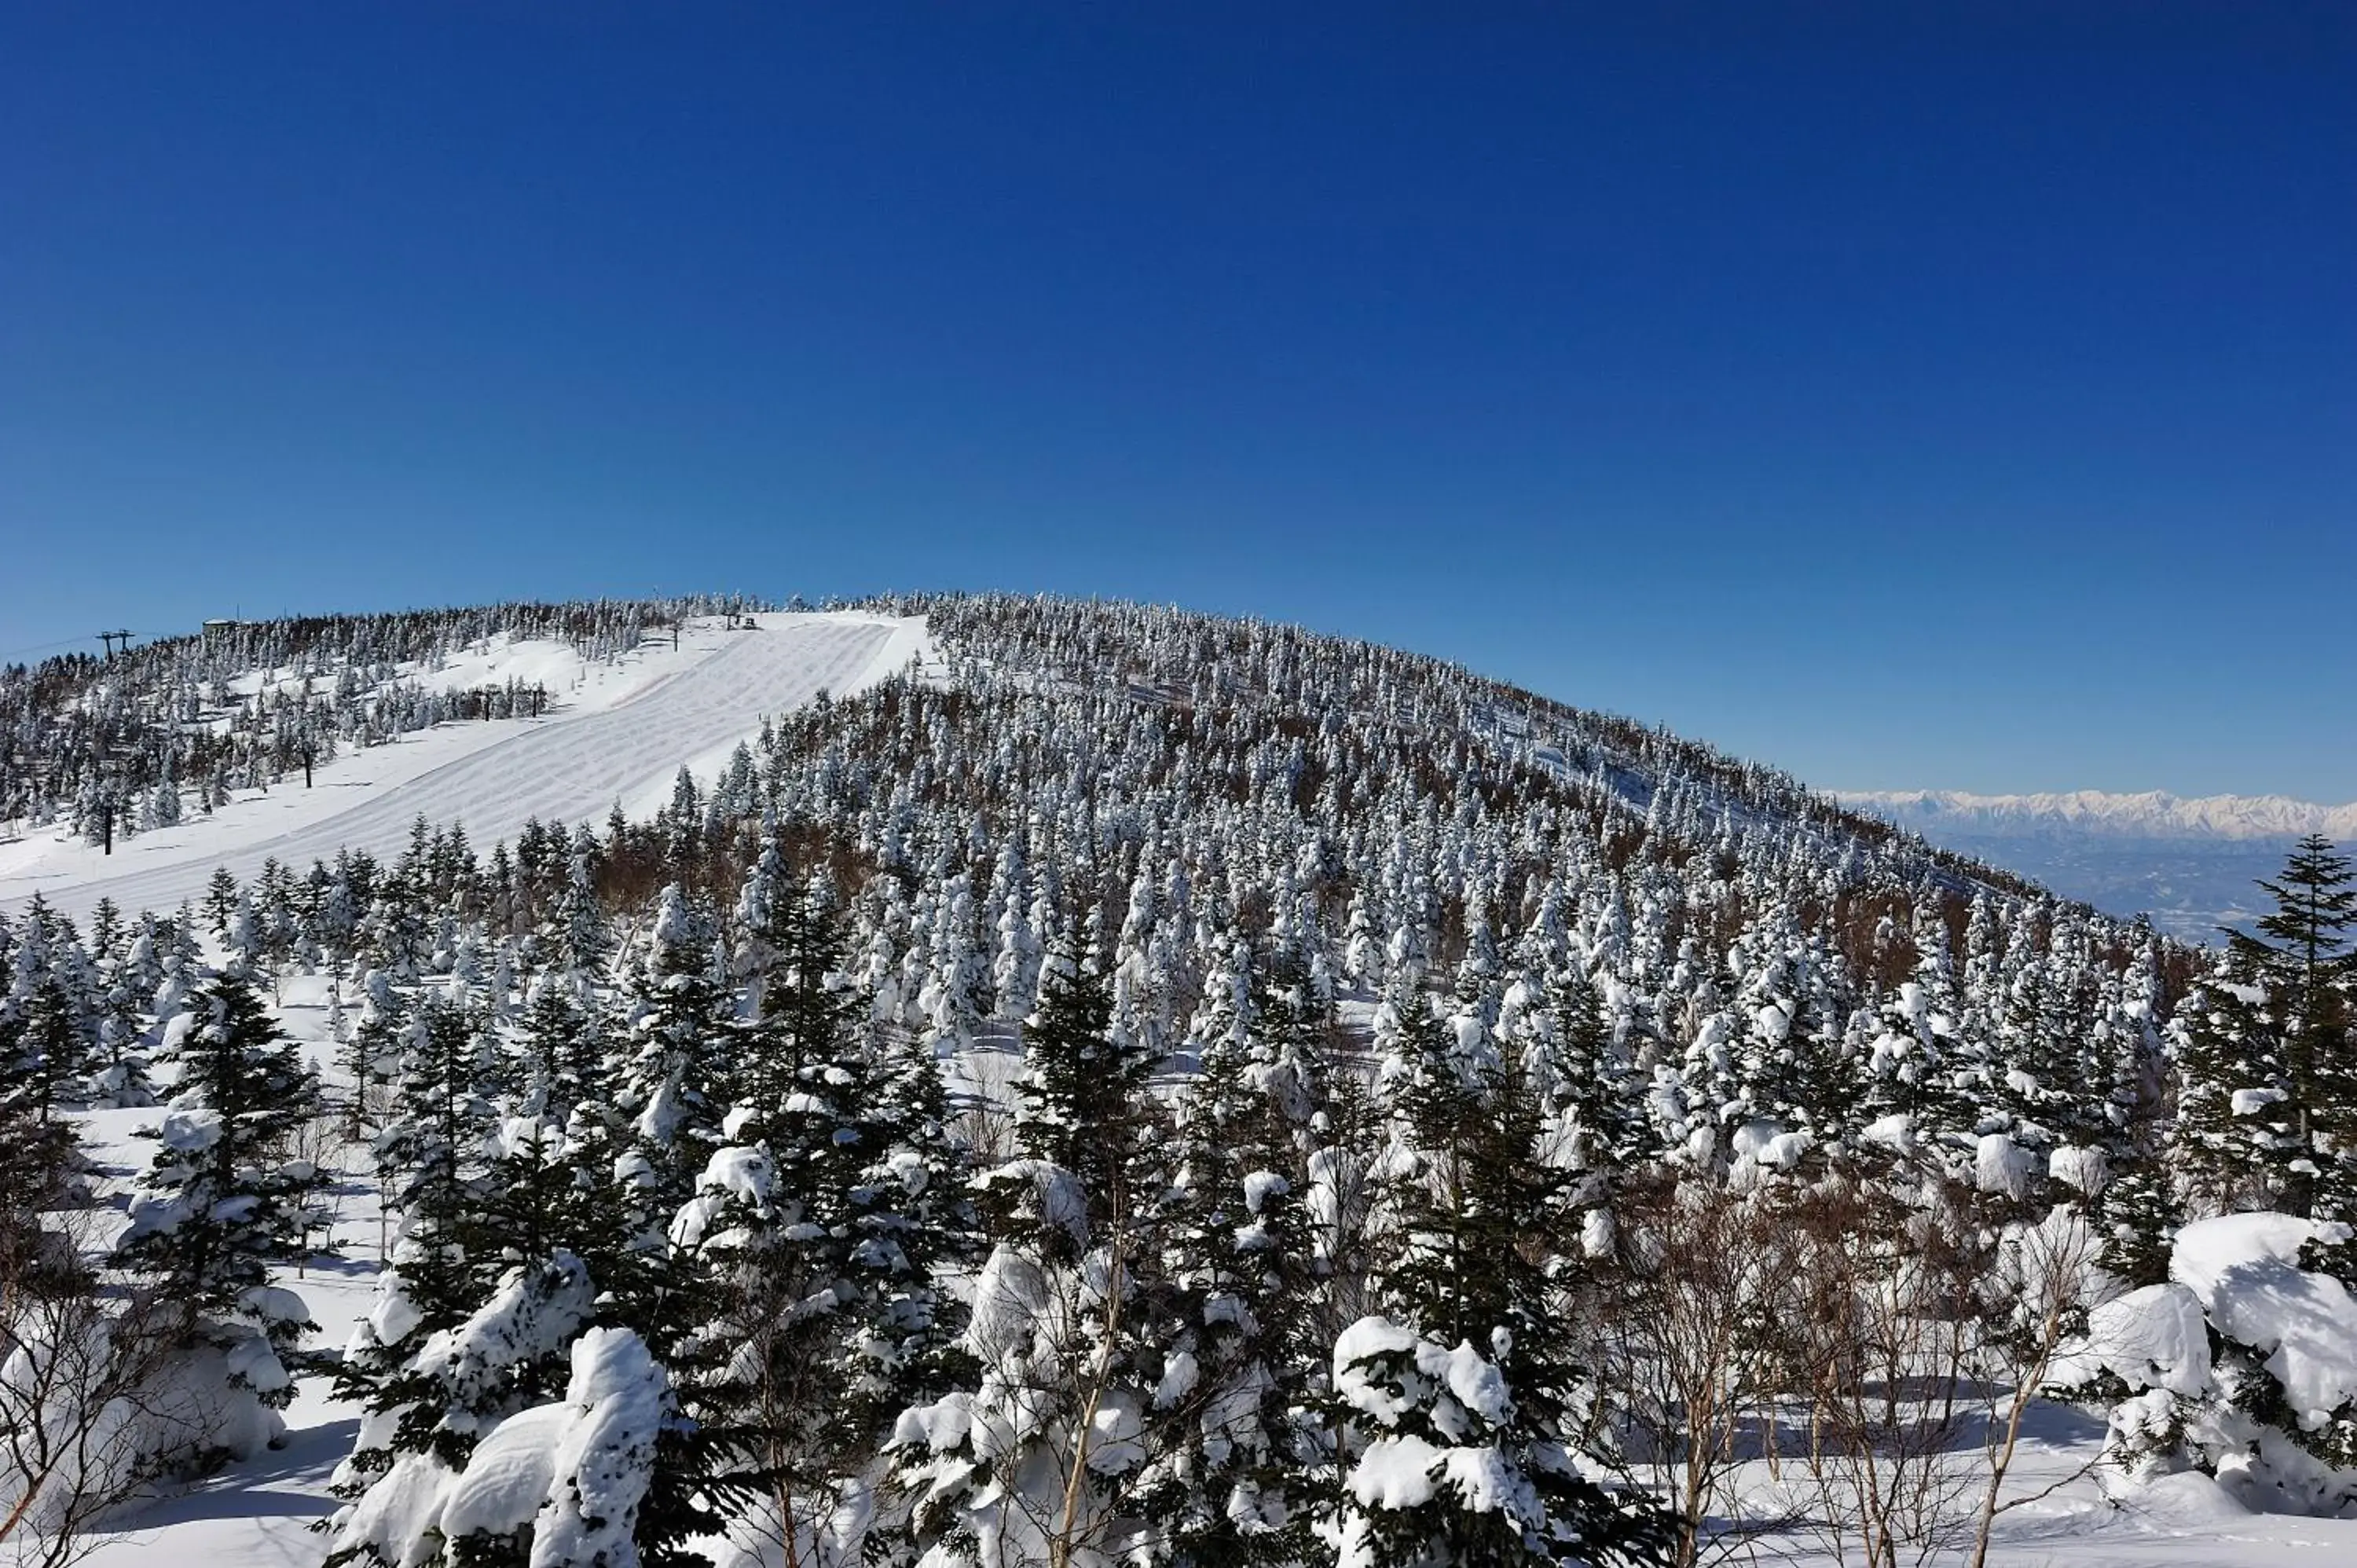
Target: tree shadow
(286, 1482)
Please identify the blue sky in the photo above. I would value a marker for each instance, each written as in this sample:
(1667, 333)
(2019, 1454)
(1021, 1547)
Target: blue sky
(1955, 396)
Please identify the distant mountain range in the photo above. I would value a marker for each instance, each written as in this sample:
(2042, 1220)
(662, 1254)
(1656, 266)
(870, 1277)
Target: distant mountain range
(2188, 860)
(2152, 814)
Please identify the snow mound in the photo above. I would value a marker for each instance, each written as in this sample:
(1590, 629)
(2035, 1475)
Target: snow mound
(604, 1459)
(2155, 1337)
(2245, 1269)
(508, 1476)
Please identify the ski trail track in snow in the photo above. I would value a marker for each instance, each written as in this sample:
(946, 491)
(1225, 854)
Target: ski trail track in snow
(562, 769)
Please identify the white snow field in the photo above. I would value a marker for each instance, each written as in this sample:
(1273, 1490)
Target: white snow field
(620, 738)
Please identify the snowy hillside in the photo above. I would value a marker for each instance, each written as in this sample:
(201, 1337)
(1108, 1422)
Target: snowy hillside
(960, 1082)
(613, 735)
(2190, 864)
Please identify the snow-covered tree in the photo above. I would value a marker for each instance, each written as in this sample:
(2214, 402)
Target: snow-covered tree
(223, 1200)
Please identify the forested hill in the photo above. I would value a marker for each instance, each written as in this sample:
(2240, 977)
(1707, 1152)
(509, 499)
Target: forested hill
(118, 746)
(1128, 1084)
(129, 742)
(1186, 780)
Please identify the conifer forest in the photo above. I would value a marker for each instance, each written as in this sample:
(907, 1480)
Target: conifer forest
(1122, 1087)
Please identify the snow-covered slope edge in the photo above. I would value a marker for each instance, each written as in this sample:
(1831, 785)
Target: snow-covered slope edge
(621, 743)
(2149, 814)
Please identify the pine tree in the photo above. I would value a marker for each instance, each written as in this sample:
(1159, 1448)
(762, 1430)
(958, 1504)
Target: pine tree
(2137, 1218)
(1065, 1307)
(2233, 1143)
(431, 1158)
(49, 1027)
(125, 991)
(1232, 1445)
(918, 1229)
(791, 1222)
(1917, 1066)
(432, 1153)
(224, 1201)
(1083, 1086)
(580, 928)
(560, 1050)
(1597, 1106)
(220, 900)
(676, 1084)
(1471, 1356)
(2303, 959)
(808, 1009)
(39, 1152)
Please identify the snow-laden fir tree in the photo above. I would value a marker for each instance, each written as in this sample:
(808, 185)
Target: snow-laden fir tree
(1234, 1449)
(433, 1158)
(676, 1085)
(49, 1022)
(2301, 960)
(223, 1203)
(1032, 1460)
(805, 1241)
(1463, 1399)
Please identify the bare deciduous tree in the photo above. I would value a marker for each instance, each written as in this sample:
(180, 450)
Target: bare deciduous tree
(2045, 1275)
(1689, 1312)
(82, 1374)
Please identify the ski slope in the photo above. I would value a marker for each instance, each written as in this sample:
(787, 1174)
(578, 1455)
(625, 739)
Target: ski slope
(574, 765)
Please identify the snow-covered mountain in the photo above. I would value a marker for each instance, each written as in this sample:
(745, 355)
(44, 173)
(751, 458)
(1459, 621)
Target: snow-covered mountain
(490, 718)
(2189, 862)
(611, 735)
(2146, 814)
(707, 960)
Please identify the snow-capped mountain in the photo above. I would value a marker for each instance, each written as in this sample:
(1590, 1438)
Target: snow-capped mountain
(2189, 862)
(2146, 814)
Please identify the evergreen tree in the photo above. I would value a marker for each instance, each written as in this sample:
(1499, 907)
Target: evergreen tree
(39, 1152)
(1066, 1307)
(676, 1084)
(1471, 1356)
(791, 1222)
(917, 1230)
(431, 1158)
(560, 1052)
(221, 901)
(125, 991)
(48, 1026)
(1083, 1089)
(2304, 961)
(808, 1009)
(372, 1054)
(2235, 1141)
(581, 933)
(432, 1153)
(1596, 1105)
(2137, 1218)
(223, 1200)
(1233, 1447)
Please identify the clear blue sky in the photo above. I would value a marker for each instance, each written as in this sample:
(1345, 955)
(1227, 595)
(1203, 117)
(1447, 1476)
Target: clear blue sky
(1955, 396)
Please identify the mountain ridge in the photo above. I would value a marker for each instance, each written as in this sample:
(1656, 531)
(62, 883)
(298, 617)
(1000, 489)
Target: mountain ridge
(2152, 813)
